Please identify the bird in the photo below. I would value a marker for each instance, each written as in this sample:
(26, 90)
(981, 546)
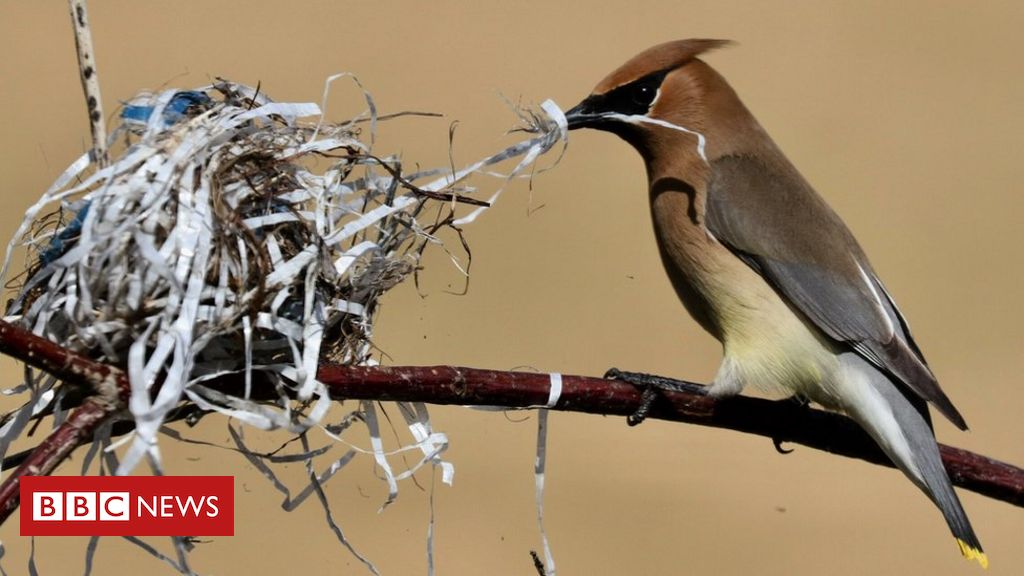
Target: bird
(765, 265)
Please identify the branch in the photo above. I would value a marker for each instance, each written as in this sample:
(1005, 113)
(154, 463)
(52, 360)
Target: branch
(90, 79)
(109, 387)
(780, 420)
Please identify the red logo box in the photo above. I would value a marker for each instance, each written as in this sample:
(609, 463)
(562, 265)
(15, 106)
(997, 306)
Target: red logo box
(127, 506)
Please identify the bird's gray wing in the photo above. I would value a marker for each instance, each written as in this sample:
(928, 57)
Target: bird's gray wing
(770, 217)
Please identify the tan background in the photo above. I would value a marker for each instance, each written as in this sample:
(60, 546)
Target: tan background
(907, 116)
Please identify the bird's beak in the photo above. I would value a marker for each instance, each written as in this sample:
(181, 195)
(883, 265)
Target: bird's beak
(582, 115)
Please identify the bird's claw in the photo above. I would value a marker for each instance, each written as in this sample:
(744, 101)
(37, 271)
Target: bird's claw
(647, 399)
(777, 442)
(613, 374)
(652, 386)
(802, 403)
(800, 400)
(643, 380)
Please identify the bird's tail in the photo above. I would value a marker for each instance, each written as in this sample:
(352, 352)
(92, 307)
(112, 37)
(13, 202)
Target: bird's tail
(904, 435)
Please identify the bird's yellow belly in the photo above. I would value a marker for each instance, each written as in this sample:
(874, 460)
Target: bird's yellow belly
(766, 343)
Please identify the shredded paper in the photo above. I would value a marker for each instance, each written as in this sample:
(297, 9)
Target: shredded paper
(234, 235)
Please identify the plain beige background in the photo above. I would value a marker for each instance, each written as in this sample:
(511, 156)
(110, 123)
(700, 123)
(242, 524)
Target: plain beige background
(907, 116)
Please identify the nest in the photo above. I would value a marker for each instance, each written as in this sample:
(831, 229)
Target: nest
(235, 235)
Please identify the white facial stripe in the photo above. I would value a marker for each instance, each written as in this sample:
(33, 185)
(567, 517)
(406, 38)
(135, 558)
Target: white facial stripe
(640, 119)
(654, 102)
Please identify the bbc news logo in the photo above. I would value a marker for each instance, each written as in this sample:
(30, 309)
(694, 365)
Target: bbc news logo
(127, 506)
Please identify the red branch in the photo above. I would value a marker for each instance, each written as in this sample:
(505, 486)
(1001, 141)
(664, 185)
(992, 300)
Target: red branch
(782, 421)
(109, 387)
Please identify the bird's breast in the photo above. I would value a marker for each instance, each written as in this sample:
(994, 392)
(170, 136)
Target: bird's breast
(718, 288)
(770, 344)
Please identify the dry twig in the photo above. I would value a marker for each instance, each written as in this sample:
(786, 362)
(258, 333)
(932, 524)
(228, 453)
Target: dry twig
(90, 79)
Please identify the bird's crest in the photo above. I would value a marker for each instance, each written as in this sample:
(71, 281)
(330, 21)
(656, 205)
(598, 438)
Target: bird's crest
(666, 56)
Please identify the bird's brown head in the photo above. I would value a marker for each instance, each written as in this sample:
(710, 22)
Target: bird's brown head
(664, 85)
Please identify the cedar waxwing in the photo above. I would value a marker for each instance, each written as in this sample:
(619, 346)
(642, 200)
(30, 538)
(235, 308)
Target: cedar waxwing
(764, 265)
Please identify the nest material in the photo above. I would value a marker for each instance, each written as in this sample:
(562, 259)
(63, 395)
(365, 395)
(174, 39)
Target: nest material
(229, 236)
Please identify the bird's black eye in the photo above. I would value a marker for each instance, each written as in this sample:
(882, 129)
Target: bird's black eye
(631, 99)
(643, 95)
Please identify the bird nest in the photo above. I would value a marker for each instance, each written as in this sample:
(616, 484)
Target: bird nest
(234, 235)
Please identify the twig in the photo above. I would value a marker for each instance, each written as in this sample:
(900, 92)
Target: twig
(190, 413)
(45, 458)
(445, 196)
(538, 565)
(110, 393)
(90, 80)
(108, 385)
(782, 420)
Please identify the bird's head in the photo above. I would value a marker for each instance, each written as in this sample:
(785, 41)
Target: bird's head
(659, 95)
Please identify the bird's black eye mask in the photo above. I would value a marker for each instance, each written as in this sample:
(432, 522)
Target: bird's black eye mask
(630, 99)
(633, 99)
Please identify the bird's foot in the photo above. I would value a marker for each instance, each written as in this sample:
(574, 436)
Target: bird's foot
(652, 386)
(802, 403)
(800, 400)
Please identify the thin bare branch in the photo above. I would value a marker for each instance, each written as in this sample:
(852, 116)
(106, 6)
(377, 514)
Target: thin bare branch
(90, 79)
(781, 420)
(107, 385)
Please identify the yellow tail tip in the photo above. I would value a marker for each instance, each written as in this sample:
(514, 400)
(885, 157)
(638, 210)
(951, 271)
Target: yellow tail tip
(972, 553)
